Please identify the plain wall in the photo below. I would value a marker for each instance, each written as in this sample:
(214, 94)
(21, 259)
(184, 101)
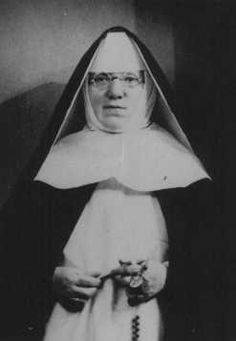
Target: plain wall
(205, 57)
(154, 26)
(42, 41)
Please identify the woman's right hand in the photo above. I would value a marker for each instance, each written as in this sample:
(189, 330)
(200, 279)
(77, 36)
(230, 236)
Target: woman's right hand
(73, 286)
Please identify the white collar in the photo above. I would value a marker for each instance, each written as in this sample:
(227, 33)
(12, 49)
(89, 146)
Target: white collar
(146, 160)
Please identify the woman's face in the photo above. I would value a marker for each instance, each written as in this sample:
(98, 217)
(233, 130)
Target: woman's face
(114, 97)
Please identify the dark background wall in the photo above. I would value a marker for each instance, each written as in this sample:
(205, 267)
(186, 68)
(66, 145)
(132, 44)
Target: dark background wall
(194, 42)
(205, 60)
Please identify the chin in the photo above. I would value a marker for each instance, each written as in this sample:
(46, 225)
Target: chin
(115, 124)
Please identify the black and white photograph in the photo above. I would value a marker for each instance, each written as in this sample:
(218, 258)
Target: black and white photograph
(117, 171)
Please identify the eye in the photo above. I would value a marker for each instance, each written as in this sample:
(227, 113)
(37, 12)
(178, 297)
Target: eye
(131, 80)
(101, 79)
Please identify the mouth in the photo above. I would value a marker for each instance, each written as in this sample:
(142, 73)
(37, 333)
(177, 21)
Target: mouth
(114, 107)
(112, 110)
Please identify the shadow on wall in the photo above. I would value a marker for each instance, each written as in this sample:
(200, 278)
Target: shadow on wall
(22, 122)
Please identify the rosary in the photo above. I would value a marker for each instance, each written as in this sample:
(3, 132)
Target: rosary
(136, 294)
(135, 328)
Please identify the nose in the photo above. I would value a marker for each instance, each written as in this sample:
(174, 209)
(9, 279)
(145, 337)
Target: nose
(115, 89)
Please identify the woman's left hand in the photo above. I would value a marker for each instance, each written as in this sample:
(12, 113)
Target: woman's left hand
(123, 273)
(141, 284)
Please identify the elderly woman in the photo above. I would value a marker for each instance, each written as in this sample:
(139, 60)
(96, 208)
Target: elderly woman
(115, 198)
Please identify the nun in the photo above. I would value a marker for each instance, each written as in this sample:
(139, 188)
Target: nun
(116, 224)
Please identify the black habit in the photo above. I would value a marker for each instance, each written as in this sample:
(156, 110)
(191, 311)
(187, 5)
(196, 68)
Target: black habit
(38, 220)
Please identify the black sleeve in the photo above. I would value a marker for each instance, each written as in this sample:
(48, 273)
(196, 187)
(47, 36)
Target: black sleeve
(193, 294)
(36, 223)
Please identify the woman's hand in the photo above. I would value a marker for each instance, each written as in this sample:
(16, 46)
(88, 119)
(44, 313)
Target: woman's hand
(123, 273)
(143, 280)
(74, 287)
(149, 284)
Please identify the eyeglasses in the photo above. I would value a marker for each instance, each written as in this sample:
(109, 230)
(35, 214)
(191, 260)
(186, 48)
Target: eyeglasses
(103, 80)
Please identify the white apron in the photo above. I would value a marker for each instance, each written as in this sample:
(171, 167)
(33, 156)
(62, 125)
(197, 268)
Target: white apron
(117, 224)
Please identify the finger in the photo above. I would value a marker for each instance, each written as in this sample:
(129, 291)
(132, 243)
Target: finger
(88, 281)
(78, 300)
(122, 280)
(126, 270)
(73, 304)
(95, 274)
(81, 292)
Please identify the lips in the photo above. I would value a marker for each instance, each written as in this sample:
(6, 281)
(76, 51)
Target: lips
(114, 107)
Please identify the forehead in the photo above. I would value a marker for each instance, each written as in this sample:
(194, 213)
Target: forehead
(117, 53)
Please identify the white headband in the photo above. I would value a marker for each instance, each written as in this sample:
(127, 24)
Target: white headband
(117, 53)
